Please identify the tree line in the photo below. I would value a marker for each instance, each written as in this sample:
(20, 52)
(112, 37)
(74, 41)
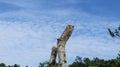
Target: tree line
(4, 65)
(81, 62)
(96, 62)
(87, 62)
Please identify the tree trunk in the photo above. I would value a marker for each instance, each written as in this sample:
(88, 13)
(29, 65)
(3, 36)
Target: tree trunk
(52, 62)
(61, 45)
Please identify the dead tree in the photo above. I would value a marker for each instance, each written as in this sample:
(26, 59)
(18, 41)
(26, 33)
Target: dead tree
(61, 42)
(52, 62)
(60, 48)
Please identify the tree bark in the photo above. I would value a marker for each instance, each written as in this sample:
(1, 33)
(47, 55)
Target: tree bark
(52, 62)
(61, 45)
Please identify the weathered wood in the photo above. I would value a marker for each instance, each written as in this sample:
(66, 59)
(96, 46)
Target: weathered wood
(61, 45)
(52, 62)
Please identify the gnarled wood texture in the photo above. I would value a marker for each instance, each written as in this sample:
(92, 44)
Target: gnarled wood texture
(61, 45)
(52, 62)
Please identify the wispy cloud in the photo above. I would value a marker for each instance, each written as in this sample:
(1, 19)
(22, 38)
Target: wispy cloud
(27, 35)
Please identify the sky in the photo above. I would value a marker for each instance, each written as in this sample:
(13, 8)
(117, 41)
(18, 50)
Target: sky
(30, 28)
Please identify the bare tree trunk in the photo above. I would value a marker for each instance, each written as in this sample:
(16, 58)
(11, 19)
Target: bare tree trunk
(61, 45)
(52, 62)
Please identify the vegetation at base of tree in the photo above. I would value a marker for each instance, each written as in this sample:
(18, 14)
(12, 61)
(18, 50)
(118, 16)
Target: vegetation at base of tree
(95, 62)
(81, 62)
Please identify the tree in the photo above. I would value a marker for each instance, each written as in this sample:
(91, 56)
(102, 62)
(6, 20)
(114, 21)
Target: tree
(96, 61)
(52, 61)
(16, 65)
(78, 59)
(118, 60)
(2, 65)
(61, 42)
(86, 61)
(78, 62)
(115, 33)
(60, 49)
(44, 64)
(118, 55)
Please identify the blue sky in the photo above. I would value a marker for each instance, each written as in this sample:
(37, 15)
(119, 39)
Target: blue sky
(29, 29)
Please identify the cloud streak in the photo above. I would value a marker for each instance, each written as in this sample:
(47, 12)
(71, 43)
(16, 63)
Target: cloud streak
(27, 35)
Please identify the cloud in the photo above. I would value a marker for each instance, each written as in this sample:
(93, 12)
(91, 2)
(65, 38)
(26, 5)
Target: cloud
(32, 41)
(26, 41)
(89, 46)
(29, 34)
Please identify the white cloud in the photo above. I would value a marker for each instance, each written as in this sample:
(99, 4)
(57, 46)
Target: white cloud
(27, 36)
(33, 43)
(89, 46)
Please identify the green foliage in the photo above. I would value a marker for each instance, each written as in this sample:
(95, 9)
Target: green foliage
(118, 60)
(82, 62)
(2, 65)
(91, 66)
(15, 65)
(96, 62)
(44, 64)
(78, 62)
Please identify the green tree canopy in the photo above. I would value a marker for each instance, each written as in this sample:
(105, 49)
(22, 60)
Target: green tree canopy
(2, 65)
